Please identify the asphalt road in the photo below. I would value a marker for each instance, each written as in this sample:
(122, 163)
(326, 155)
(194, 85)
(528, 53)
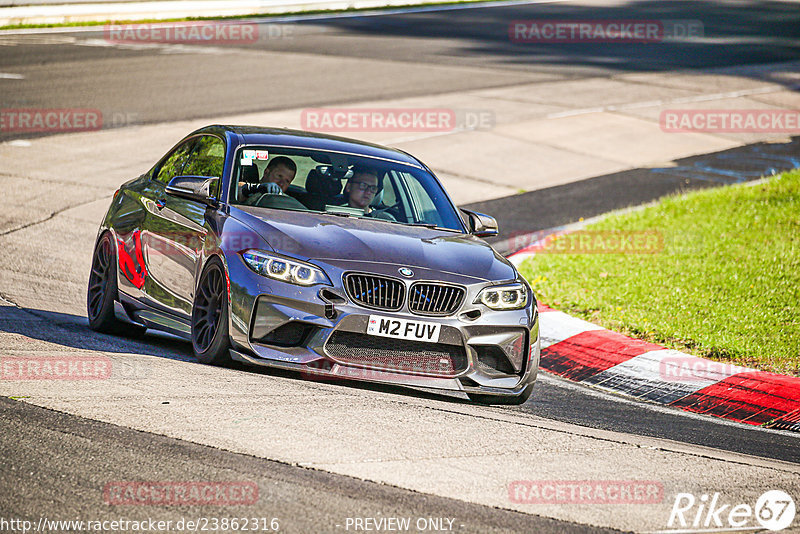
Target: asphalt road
(564, 204)
(340, 60)
(58, 461)
(58, 466)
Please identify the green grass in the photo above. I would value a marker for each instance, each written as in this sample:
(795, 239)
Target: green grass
(725, 286)
(232, 17)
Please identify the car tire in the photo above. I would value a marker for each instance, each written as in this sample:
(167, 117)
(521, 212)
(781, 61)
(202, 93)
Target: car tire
(511, 400)
(210, 340)
(102, 292)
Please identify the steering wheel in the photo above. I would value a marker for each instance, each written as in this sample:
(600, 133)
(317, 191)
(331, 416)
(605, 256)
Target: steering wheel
(262, 187)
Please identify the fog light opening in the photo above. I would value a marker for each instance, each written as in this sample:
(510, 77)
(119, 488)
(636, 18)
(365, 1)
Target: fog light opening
(291, 334)
(494, 359)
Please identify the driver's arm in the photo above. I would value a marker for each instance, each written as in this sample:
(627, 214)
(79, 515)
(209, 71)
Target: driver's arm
(270, 188)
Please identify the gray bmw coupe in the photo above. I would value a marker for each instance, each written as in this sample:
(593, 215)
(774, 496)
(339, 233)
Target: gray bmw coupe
(333, 257)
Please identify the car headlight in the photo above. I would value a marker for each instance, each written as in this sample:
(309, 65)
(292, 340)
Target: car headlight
(508, 297)
(282, 268)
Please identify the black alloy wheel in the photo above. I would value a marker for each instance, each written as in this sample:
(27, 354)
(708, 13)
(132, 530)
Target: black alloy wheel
(102, 292)
(210, 316)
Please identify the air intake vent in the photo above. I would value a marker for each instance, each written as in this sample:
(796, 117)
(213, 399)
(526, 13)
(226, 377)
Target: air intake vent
(413, 357)
(375, 292)
(435, 299)
(290, 334)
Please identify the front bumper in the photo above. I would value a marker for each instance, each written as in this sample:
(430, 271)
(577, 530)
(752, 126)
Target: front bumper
(321, 333)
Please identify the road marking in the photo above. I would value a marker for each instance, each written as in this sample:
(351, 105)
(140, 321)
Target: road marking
(404, 11)
(164, 48)
(310, 17)
(682, 100)
(592, 391)
(11, 76)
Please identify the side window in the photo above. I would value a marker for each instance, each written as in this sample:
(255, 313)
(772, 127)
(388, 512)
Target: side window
(400, 194)
(389, 194)
(423, 204)
(206, 159)
(173, 164)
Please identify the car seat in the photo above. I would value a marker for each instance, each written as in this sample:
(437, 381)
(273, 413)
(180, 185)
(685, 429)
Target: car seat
(322, 187)
(249, 174)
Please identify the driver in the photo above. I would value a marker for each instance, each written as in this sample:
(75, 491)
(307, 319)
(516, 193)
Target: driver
(278, 174)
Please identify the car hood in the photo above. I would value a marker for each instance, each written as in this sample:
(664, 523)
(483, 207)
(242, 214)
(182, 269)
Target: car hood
(338, 240)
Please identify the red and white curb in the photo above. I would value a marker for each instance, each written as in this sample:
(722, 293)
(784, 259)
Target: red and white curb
(583, 352)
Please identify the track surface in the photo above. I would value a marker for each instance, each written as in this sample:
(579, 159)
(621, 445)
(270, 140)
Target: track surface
(323, 63)
(353, 59)
(39, 440)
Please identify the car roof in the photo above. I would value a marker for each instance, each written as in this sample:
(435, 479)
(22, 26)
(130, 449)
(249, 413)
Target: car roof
(260, 135)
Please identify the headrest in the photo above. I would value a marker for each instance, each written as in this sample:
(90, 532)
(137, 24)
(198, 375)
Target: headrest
(321, 184)
(250, 174)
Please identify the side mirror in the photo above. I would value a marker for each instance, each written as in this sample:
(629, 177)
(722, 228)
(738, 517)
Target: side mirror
(481, 225)
(197, 188)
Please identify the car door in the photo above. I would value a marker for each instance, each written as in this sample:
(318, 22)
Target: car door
(175, 229)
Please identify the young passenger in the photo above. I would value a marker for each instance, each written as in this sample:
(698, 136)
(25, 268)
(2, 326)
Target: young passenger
(361, 188)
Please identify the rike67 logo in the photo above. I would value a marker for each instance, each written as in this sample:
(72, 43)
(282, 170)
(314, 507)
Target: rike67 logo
(774, 510)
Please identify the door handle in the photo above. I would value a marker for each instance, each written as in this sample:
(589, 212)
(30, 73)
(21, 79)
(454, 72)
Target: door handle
(161, 203)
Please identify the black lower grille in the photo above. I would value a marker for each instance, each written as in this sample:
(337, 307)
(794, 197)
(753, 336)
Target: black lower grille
(414, 357)
(435, 299)
(291, 334)
(375, 291)
(495, 359)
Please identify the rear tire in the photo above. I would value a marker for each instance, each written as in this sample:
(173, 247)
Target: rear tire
(102, 292)
(210, 340)
(503, 400)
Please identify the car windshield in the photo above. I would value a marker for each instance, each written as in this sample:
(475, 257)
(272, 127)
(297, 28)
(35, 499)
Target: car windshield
(341, 185)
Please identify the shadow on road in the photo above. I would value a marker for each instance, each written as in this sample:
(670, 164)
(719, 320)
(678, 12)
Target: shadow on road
(565, 204)
(72, 331)
(731, 34)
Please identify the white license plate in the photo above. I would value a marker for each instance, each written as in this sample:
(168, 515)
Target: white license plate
(403, 329)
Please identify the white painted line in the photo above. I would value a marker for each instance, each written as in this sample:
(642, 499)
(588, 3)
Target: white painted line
(556, 326)
(672, 372)
(572, 112)
(19, 143)
(682, 100)
(11, 76)
(400, 11)
(599, 393)
(313, 17)
(657, 366)
(518, 258)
